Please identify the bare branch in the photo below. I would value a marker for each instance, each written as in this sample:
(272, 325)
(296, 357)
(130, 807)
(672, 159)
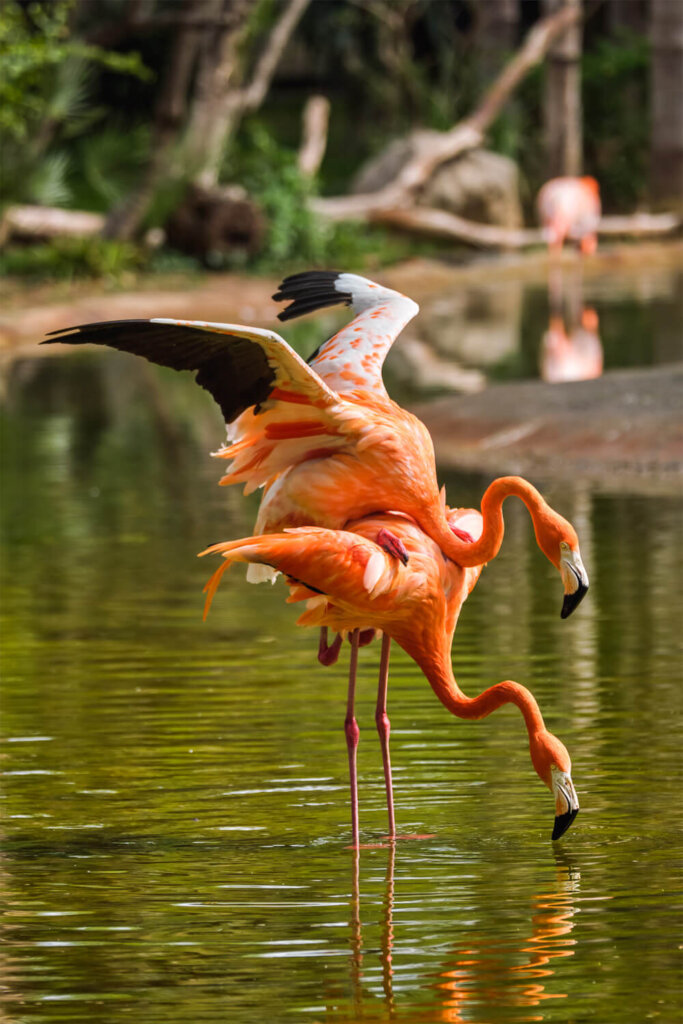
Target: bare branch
(251, 97)
(467, 134)
(316, 118)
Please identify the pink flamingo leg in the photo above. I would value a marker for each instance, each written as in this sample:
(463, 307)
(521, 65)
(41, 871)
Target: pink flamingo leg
(384, 727)
(352, 735)
(328, 653)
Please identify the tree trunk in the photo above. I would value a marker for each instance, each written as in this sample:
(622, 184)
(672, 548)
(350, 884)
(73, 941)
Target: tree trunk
(563, 115)
(217, 80)
(124, 220)
(627, 16)
(220, 102)
(666, 175)
(497, 26)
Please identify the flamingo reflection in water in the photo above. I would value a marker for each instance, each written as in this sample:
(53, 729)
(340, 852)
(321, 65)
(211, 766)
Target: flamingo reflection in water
(349, 582)
(478, 972)
(576, 355)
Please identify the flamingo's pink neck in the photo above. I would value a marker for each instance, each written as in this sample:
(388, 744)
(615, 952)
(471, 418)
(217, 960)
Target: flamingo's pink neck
(488, 545)
(436, 665)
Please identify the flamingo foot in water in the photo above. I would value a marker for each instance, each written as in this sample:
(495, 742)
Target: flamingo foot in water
(392, 544)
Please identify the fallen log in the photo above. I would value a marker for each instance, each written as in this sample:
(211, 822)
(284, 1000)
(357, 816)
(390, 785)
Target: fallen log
(441, 224)
(42, 223)
(640, 224)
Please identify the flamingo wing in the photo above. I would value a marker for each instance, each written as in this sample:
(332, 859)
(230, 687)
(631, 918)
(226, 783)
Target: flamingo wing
(352, 359)
(239, 366)
(333, 564)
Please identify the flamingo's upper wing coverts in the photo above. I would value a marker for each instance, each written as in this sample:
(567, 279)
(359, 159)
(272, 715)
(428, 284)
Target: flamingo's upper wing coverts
(353, 358)
(239, 366)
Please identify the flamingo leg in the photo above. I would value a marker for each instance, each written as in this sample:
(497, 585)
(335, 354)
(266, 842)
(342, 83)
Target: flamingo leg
(352, 735)
(328, 653)
(384, 727)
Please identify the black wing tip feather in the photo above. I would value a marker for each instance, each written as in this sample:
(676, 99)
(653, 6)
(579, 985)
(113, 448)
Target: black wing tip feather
(310, 290)
(234, 370)
(71, 335)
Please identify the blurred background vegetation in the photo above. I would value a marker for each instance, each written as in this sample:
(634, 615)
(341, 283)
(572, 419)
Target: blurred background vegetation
(121, 107)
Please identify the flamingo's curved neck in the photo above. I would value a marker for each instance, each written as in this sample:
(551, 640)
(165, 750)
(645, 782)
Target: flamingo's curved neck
(488, 544)
(436, 665)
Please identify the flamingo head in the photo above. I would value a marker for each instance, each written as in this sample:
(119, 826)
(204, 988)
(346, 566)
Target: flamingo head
(558, 541)
(591, 185)
(554, 767)
(589, 320)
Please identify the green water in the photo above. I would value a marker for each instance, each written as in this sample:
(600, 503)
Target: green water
(174, 806)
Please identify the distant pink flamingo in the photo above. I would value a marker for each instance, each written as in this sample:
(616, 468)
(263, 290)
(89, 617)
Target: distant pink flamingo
(569, 208)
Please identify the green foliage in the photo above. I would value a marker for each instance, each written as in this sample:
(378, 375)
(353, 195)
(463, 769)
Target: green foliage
(66, 258)
(296, 237)
(269, 172)
(106, 164)
(616, 117)
(34, 43)
(518, 133)
(45, 89)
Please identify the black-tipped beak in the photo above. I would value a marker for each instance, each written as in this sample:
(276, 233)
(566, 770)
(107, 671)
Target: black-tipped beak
(571, 601)
(562, 823)
(575, 580)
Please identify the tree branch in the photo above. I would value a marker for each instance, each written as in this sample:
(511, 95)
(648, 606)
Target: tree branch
(467, 134)
(251, 96)
(316, 117)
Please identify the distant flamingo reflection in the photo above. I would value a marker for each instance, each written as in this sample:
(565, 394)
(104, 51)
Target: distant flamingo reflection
(573, 355)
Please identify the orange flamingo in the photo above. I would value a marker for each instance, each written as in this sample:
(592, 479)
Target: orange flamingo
(349, 582)
(569, 208)
(324, 440)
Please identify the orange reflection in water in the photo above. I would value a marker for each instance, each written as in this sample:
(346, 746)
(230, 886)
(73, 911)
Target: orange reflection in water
(479, 975)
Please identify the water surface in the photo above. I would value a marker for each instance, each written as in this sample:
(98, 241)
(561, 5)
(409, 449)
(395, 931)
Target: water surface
(175, 812)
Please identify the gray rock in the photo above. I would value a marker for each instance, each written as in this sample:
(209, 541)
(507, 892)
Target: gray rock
(478, 185)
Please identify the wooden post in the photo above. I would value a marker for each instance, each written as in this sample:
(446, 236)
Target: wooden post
(666, 169)
(316, 119)
(563, 114)
(497, 27)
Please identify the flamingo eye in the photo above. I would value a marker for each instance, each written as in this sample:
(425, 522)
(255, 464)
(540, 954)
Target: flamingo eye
(564, 546)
